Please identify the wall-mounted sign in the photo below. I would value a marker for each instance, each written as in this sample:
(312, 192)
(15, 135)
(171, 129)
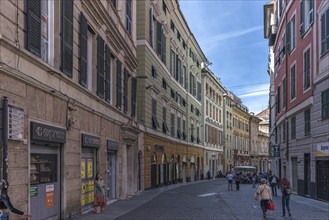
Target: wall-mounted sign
(275, 150)
(322, 149)
(33, 191)
(90, 141)
(112, 145)
(15, 123)
(47, 133)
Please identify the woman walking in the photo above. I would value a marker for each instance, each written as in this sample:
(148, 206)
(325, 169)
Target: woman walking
(286, 191)
(99, 200)
(264, 195)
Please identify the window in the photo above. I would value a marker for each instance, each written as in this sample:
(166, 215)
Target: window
(283, 132)
(172, 25)
(164, 120)
(307, 69)
(172, 121)
(164, 7)
(325, 104)
(154, 72)
(179, 134)
(114, 3)
(164, 84)
(306, 15)
(192, 133)
(83, 53)
(199, 90)
(325, 32)
(151, 28)
(184, 128)
(155, 123)
(128, 16)
(291, 34)
(160, 42)
(108, 74)
(40, 29)
(178, 70)
(293, 82)
(172, 62)
(278, 96)
(183, 81)
(67, 37)
(293, 128)
(307, 121)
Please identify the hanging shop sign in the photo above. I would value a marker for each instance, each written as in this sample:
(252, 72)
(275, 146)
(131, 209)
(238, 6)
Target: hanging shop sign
(90, 141)
(42, 132)
(322, 149)
(15, 123)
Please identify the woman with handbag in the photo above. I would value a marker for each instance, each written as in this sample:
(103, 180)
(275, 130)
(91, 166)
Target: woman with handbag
(286, 191)
(264, 195)
(99, 194)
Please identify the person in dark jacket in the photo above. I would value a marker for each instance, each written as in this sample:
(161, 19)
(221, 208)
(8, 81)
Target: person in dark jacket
(274, 181)
(237, 179)
(5, 204)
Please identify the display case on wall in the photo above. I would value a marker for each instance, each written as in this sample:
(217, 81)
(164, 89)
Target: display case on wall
(43, 168)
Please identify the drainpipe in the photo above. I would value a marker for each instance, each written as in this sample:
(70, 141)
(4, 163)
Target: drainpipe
(5, 138)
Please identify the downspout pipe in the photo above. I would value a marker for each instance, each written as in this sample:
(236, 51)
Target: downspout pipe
(5, 138)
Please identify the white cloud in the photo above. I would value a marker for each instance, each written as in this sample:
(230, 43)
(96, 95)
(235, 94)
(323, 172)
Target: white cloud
(258, 93)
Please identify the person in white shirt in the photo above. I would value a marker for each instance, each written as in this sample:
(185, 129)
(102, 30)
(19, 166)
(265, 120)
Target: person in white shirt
(230, 180)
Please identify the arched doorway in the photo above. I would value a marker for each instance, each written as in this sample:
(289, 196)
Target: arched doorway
(192, 169)
(163, 170)
(139, 181)
(173, 169)
(153, 171)
(184, 169)
(179, 177)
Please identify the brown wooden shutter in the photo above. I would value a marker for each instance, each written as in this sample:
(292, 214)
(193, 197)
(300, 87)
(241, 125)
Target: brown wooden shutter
(33, 19)
(83, 38)
(67, 37)
(100, 67)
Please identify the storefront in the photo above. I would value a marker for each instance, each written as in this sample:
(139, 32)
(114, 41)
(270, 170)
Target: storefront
(322, 171)
(90, 144)
(112, 149)
(45, 167)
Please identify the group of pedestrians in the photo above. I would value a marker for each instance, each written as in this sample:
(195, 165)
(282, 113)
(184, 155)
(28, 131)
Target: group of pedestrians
(236, 177)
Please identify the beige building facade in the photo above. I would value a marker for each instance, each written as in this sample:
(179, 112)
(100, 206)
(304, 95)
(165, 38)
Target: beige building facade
(68, 85)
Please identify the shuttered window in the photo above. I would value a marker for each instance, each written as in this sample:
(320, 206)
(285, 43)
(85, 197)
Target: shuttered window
(67, 37)
(163, 49)
(108, 74)
(307, 69)
(325, 104)
(293, 82)
(33, 20)
(325, 32)
(199, 91)
(158, 38)
(119, 81)
(100, 67)
(83, 40)
(133, 96)
(128, 16)
(125, 91)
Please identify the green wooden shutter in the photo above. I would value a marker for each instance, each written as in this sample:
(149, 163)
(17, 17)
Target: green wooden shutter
(33, 21)
(164, 49)
(100, 67)
(67, 37)
(83, 38)
(302, 20)
(133, 96)
(108, 86)
(119, 84)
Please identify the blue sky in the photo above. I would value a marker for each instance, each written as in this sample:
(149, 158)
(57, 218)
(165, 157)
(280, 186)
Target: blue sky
(230, 33)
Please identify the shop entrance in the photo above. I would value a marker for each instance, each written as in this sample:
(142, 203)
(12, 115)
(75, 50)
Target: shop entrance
(88, 163)
(111, 175)
(45, 187)
(322, 179)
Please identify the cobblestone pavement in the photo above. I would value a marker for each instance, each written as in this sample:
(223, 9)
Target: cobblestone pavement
(215, 202)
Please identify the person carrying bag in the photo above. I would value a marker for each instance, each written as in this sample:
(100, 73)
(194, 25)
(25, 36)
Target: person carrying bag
(264, 195)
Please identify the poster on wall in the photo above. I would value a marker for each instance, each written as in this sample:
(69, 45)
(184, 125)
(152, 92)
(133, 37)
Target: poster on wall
(83, 168)
(50, 196)
(90, 168)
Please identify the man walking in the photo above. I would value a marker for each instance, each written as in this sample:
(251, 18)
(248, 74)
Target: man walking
(230, 180)
(237, 179)
(274, 183)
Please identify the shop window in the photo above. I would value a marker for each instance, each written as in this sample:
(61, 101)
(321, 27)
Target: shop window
(43, 168)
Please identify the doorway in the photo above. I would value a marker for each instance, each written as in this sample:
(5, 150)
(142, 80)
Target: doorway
(111, 175)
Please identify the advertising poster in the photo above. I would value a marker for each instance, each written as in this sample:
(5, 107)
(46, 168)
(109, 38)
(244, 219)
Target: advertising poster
(50, 196)
(90, 168)
(83, 168)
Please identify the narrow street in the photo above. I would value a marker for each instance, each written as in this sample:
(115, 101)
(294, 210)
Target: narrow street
(212, 200)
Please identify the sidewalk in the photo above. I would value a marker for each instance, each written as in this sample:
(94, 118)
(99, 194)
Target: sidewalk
(120, 207)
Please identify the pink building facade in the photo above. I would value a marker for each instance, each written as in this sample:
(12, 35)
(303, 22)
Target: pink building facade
(299, 38)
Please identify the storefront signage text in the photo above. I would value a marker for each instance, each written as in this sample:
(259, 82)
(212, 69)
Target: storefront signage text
(33, 191)
(322, 149)
(158, 147)
(90, 141)
(112, 145)
(47, 133)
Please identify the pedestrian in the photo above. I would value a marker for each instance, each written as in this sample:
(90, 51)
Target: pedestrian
(286, 191)
(99, 197)
(5, 204)
(237, 179)
(208, 174)
(220, 174)
(253, 179)
(230, 180)
(264, 195)
(274, 184)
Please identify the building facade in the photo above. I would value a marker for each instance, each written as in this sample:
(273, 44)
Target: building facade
(228, 132)
(68, 91)
(212, 115)
(168, 94)
(300, 88)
